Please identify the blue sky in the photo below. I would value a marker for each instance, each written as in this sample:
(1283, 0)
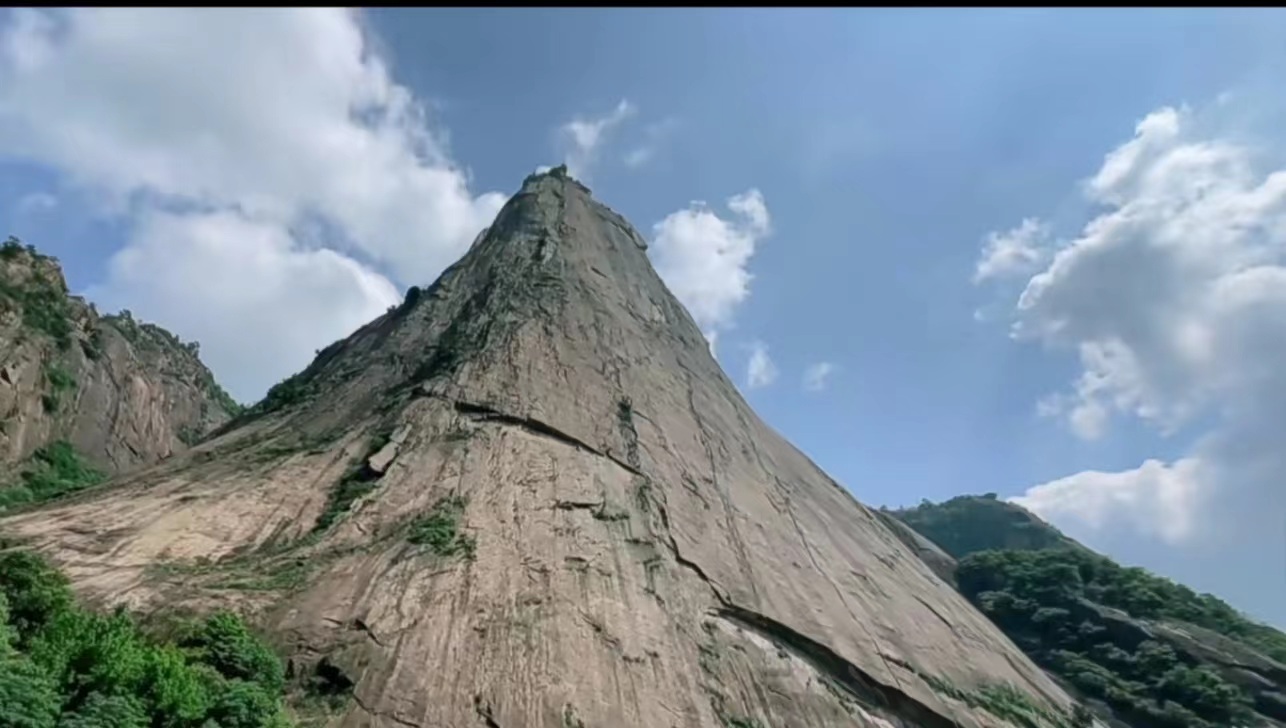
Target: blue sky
(200, 187)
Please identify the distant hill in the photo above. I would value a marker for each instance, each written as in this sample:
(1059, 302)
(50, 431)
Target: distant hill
(968, 524)
(1147, 652)
(84, 396)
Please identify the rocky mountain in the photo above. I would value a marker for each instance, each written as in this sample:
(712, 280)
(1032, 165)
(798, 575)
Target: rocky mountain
(1145, 651)
(529, 496)
(83, 394)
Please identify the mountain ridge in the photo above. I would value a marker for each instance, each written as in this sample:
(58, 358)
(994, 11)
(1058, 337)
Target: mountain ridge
(529, 492)
(83, 393)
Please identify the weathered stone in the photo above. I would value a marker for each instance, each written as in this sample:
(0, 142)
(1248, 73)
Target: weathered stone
(642, 550)
(124, 394)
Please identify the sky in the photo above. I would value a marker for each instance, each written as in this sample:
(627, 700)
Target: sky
(1040, 253)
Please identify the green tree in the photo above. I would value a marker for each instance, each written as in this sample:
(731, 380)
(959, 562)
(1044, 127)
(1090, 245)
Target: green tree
(28, 697)
(35, 592)
(227, 645)
(107, 711)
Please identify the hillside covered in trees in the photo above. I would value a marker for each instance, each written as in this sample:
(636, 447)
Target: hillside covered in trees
(1146, 651)
(63, 666)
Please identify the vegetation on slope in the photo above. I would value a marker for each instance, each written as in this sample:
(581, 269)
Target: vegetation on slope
(54, 470)
(62, 666)
(45, 307)
(1054, 598)
(1046, 602)
(967, 524)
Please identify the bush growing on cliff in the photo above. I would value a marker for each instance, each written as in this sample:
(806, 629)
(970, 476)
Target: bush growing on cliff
(62, 666)
(54, 470)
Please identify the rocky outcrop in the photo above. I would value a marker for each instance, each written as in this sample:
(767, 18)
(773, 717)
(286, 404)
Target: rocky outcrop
(935, 558)
(121, 393)
(529, 496)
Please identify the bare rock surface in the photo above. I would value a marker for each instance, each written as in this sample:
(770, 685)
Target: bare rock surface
(529, 496)
(122, 393)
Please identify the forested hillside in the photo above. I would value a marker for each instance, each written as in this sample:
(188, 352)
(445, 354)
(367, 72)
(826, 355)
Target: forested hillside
(1156, 652)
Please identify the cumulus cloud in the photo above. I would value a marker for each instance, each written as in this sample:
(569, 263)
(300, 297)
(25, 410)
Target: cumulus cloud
(1173, 299)
(1156, 499)
(285, 300)
(702, 257)
(584, 136)
(302, 128)
(817, 375)
(760, 370)
(1015, 252)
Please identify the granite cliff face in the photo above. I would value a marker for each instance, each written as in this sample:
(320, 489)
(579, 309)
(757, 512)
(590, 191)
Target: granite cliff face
(529, 496)
(119, 393)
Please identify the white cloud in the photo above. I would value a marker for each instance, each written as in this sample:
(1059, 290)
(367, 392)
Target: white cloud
(760, 370)
(1155, 499)
(266, 290)
(653, 136)
(1174, 300)
(584, 136)
(36, 202)
(703, 257)
(817, 375)
(1014, 252)
(279, 118)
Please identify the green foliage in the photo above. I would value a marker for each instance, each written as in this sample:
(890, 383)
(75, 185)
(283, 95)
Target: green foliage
(28, 698)
(189, 435)
(1005, 702)
(45, 307)
(290, 391)
(107, 711)
(1048, 601)
(356, 482)
(967, 524)
(54, 470)
(34, 593)
(222, 398)
(439, 529)
(60, 382)
(11, 248)
(227, 645)
(72, 668)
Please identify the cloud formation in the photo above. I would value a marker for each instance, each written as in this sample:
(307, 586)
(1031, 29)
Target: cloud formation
(1174, 301)
(300, 138)
(760, 370)
(1014, 252)
(816, 376)
(703, 258)
(654, 135)
(583, 137)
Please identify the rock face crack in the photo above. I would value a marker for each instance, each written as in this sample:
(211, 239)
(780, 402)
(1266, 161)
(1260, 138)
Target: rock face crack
(487, 414)
(361, 704)
(483, 709)
(361, 626)
(852, 678)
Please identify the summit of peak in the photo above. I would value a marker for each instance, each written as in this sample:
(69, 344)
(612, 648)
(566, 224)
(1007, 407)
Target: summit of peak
(549, 178)
(554, 413)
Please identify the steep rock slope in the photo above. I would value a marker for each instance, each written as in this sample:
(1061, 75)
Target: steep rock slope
(1146, 651)
(120, 393)
(529, 496)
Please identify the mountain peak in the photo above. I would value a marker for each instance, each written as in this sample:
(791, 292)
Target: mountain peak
(531, 485)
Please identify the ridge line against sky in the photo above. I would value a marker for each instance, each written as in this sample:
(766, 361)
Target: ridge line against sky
(267, 212)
